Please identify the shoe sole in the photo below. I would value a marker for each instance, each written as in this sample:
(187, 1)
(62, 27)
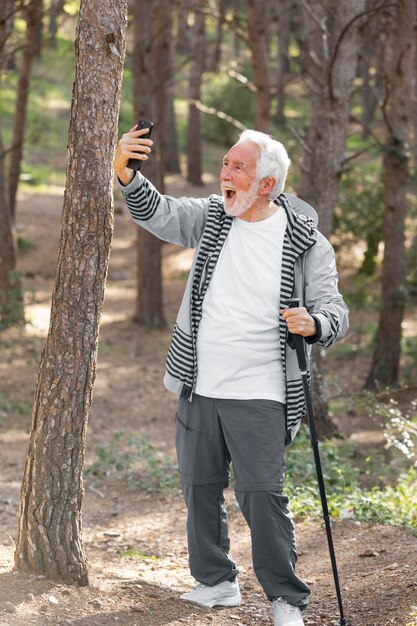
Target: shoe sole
(227, 602)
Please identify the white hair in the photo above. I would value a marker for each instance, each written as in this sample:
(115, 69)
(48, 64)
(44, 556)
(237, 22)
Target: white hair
(273, 159)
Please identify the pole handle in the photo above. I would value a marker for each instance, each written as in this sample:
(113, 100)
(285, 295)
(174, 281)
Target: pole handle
(293, 303)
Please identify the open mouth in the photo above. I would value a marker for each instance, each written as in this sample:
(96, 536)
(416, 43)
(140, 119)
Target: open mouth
(229, 193)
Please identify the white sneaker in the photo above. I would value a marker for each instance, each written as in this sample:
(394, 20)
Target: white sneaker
(224, 594)
(285, 614)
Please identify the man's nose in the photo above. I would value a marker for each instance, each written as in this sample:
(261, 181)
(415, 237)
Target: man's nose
(225, 173)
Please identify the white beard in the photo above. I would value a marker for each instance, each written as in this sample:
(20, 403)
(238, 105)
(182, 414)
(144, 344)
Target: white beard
(242, 201)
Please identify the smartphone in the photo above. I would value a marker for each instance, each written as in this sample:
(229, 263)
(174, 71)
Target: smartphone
(136, 164)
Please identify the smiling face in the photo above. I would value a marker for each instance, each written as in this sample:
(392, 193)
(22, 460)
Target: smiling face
(238, 178)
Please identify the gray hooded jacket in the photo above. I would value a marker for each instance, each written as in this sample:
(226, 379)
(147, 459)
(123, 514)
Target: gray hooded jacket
(308, 272)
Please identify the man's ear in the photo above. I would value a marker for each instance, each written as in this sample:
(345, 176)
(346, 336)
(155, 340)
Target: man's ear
(267, 184)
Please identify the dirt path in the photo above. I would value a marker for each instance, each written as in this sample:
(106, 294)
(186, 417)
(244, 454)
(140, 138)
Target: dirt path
(135, 540)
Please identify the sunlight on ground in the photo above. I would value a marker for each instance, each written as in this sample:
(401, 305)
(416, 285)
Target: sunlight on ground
(12, 435)
(38, 316)
(44, 189)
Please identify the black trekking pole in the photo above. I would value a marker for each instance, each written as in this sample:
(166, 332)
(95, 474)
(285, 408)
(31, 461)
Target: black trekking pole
(302, 364)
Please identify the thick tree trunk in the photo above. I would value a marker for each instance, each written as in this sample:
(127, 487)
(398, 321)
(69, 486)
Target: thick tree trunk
(398, 113)
(33, 16)
(330, 63)
(50, 535)
(332, 66)
(194, 154)
(257, 29)
(149, 301)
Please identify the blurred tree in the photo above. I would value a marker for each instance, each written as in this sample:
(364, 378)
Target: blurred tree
(236, 10)
(50, 534)
(257, 30)
(194, 163)
(32, 12)
(11, 296)
(183, 7)
(150, 82)
(171, 153)
(283, 28)
(217, 52)
(369, 68)
(329, 61)
(329, 54)
(399, 65)
(55, 9)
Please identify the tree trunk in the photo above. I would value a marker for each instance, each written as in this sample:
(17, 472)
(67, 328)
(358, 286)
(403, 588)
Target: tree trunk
(236, 6)
(56, 8)
(172, 159)
(257, 29)
(398, 114)
(149, 302)
(50, 535)
(183, 29)
(217, 53)
(330, 64)
(194, 156)
(332, 67)
(33, 15)
(11, 296)
(284, 31)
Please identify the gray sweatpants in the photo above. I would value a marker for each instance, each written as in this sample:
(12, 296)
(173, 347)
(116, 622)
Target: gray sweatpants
(212, 433)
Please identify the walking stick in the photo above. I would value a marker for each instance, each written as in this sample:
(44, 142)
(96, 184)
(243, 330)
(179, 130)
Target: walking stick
(302, 364)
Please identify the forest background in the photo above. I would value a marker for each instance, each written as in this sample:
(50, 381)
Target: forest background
(336, 83)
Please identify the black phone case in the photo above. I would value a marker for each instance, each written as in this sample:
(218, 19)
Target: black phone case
(136, 164)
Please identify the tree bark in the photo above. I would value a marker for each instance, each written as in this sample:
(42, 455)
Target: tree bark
(257, 29)
(194, 153)
(398, 117)
(331, 67)
(329, 62)
(11, 294)
(50, 533)
(149, 301)
(33, 15)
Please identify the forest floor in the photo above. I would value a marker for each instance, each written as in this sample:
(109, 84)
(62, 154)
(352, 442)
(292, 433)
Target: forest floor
(134, 537)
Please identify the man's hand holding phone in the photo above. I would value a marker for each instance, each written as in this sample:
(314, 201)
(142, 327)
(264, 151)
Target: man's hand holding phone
(132, 149)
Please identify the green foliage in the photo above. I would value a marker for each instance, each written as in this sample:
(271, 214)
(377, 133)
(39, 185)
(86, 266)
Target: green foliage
(139, 464)
(391, 504)
(229, 96)
(399, 428)
(9, 406)
(131, 553)
(24, 244)
(361, 213)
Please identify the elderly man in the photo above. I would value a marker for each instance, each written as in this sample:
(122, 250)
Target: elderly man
(239, 387)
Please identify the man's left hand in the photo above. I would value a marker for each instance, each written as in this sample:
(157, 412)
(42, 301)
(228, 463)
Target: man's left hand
(299, 321)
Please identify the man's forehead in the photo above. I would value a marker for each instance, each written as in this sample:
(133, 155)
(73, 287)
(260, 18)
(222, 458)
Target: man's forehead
(243, 152)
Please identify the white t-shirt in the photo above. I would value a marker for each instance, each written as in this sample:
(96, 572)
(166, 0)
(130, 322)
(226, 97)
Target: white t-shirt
(238, 349)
